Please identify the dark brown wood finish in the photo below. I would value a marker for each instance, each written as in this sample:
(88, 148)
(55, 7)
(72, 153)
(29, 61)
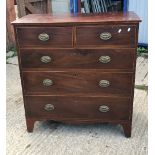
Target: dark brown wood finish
(78, 82)
(75, 48)
(78, 107)
(58, 36)
(77, 58)
(30, 124)
(78, 19)
(121, 36)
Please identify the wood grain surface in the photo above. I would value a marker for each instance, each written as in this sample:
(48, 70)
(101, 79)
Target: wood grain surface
(121, 36)
(68, 19)
(78, 107)
(77, 58)
(58, 36)
(80, 82)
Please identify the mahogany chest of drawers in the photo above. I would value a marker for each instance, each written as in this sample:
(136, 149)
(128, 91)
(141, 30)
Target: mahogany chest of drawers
(78, 68)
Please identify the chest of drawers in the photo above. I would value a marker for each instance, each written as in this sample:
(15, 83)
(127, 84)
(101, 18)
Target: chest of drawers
(78, 68)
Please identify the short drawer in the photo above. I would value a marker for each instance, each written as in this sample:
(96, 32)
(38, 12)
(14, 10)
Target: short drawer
(82, 58)
(106, 36)
(60, 107)
(45, 36)
(78, 82)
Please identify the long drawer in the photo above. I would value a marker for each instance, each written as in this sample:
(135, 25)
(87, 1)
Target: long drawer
(78, 59)
(89, 82)
(105, 108)
(45, 36)
(106, 36)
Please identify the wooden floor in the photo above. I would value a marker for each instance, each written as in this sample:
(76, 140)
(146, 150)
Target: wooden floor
(62, 139)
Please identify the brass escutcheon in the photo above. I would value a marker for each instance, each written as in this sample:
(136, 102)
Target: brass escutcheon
(104, 59)
(49, 107)
(105, 36)
(45, 59)
(104, 83)
(47, 82)
(43, 37)
(104, 108)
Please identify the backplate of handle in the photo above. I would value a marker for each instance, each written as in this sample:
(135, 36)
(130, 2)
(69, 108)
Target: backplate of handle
(105, 36)
(104, 108)
(49, 107)
(104, 59)
(43, 37)
(104, 83)
(45, 59)
(47, 82)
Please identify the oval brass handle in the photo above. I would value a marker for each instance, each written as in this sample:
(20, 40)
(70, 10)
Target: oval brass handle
(45, 59)
(104, 108)
(49, 107)
(105, 36)
(104, 83)
(47, 82)
(104, 59)
(43, 37)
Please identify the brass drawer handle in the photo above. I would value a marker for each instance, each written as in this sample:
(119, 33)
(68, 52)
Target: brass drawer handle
(49, 107)
(43, 37)
(104, 83)
(104, 59)
(45, 59)
(47, 82)
(105, 36)
(104, 108)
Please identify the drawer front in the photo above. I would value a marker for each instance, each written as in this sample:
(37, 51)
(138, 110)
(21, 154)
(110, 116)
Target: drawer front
(106, 36)
(89, 82)
(45, 36)
(78, 107)
(85, 59)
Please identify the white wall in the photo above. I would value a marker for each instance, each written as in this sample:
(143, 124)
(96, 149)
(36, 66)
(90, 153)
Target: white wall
(141, 8)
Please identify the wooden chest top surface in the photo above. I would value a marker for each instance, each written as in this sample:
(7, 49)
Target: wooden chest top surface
(36, 19)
